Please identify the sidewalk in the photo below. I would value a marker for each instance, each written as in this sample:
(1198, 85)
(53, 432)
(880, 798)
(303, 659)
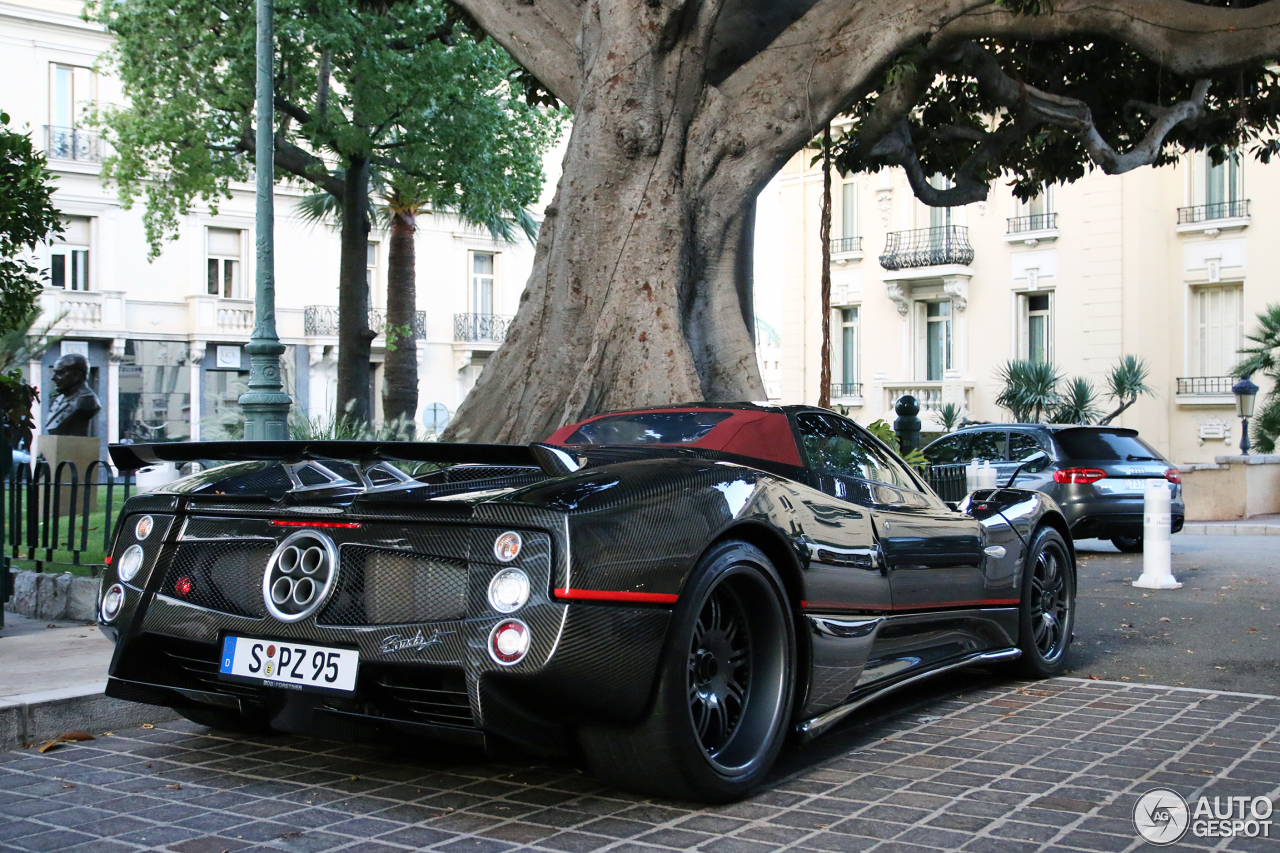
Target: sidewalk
(51, 681)
(1258, 525)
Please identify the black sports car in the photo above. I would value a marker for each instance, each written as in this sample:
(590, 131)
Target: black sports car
(672, 591)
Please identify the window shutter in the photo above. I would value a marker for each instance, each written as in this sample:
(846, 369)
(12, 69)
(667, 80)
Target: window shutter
(922, 340)
(1024, 328)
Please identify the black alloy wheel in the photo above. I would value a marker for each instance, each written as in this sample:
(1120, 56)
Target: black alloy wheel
(1047, 610)
(724, 690)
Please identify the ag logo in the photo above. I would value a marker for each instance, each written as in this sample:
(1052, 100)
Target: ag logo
(1161, 816)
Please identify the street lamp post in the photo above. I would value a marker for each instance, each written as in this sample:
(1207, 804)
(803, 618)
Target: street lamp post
(266, 406)
(1246, 393)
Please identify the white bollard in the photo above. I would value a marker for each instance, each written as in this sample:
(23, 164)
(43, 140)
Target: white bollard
(987, 476)
(150, 479)
(1157, 526)
(971, 476)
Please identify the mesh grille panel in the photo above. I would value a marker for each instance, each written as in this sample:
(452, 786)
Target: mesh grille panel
(389, 588)
(309, 476)
(224, 576)
(465, 473)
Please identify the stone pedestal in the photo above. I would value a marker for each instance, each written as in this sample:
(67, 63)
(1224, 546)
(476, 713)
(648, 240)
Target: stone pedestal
(79, 451)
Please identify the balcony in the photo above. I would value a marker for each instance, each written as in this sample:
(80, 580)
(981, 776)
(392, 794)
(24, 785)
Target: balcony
(1206, 390)
(1213, 219)
(927, 247)
(1033, 229)
(481, 328)
(83, 311)
(70, 143)
(931, 395)
(846, 390)
(322, 321)
(845, 249)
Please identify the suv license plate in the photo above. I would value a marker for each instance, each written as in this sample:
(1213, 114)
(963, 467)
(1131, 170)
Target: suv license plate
(289, 664)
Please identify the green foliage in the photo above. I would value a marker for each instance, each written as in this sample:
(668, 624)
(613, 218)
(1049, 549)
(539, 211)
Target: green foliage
(956, 117)
(950, 416)
(27, 217)
(1260, 357)
(405, 89)
(1077, 403)
(882, 430)
(1126, 382)
(1030, 389)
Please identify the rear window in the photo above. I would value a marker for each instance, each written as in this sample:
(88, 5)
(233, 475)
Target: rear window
(648, 428)
(1105, 446)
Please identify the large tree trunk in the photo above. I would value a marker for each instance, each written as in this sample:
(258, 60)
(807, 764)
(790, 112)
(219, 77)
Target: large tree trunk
(355, 339)
(400, 370)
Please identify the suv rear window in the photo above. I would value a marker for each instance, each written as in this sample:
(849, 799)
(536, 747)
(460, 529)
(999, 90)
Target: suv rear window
(648, 428)
(1105, 446)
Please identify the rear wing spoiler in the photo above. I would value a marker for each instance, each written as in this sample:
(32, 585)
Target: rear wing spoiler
(551, 459)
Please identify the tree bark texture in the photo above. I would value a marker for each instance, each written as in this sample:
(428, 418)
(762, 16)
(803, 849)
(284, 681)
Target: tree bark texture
(640, 289)
(400, 370)
(355, 339)
(824, 235)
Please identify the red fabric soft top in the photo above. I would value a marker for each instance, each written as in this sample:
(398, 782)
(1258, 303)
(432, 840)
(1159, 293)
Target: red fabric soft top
(746, 432)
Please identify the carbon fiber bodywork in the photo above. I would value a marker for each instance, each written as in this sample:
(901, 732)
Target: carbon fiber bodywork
(885, 584)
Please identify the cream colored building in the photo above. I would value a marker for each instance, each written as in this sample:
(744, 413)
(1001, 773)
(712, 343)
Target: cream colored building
(165, 339)
(1169, 264)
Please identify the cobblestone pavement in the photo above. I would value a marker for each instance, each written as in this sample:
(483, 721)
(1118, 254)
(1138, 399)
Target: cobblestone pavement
(1053, 765)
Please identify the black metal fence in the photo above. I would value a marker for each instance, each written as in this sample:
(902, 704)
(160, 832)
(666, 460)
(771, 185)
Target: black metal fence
(846, 244)
(927, 247)
(481, 328)
(846, 389)
(1209, 212)
(323, 320)
(1034, 222)
(48, 515)
(1206, 384)
(949, 481)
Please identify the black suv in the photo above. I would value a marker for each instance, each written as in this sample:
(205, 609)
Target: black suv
(1096, 474)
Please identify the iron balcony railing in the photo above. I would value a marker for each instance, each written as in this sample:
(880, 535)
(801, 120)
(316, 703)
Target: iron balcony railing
(846, 389)
(1210, 212)
(927, 247)
(1034, 222)
(1206, 384)
(320, 320)
(481, 328)
(70, 143)
(949, 481)
(846, 244)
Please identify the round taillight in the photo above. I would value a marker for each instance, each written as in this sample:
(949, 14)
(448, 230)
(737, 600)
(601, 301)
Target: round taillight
(1173, 476)
(130, 563)
(509, 590)
(509, 642)
(507, 546)
(112, 602)
(143, 528)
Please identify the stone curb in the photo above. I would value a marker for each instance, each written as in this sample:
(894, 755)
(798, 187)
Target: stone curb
(61, 596)
(30, 718)
(1226, 528)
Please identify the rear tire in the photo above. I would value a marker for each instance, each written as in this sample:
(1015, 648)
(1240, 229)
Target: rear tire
(1046, 615)
(1128, 544)
(725, 685)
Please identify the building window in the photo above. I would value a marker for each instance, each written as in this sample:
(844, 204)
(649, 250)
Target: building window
(69, 256)
(849, 210)
(371, 265)
(1035, 327)
(482, 282)
(224, 263)
(1217, 324)
(849, 335)
(155, 391)
(1222, 182)
(937, 340)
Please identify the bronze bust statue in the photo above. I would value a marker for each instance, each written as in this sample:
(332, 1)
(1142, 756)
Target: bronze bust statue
(74, 405)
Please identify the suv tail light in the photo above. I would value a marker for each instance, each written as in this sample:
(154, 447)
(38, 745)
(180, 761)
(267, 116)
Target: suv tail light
(1078, 475)
(1173, 476)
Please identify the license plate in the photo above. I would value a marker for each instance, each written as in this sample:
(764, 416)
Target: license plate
(287, 664)
(1123, 486)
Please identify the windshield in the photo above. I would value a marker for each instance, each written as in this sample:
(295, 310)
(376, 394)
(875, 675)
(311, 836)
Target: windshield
(1105, 446)
(648, 428)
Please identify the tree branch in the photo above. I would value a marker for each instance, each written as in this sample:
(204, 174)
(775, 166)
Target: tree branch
(296, 161)
(541, 34)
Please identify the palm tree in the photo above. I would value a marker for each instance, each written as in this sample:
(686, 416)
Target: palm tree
(1126, 383)
(1078, 403)
(1261, 358)
(399, 201)
(1030, 389)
